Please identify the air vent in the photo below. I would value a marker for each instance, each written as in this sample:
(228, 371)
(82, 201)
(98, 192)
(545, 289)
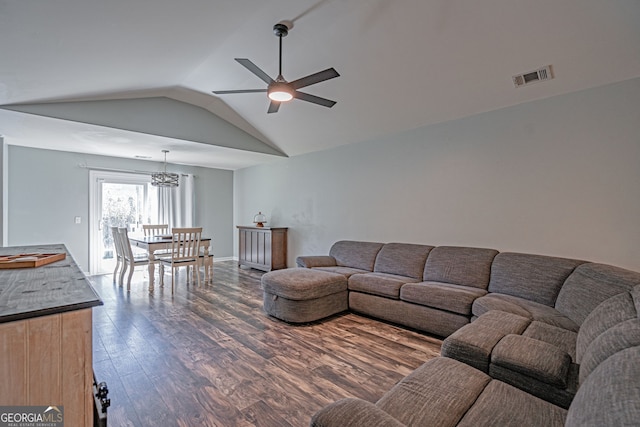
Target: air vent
(538, 75)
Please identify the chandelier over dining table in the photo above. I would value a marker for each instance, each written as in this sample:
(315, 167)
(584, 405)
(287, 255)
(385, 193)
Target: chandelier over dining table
(164, 178)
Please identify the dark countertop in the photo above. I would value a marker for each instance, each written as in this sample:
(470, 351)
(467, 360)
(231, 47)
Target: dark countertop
(49, 289)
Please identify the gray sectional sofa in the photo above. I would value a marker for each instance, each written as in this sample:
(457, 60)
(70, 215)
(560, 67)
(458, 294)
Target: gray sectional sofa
(530, 339)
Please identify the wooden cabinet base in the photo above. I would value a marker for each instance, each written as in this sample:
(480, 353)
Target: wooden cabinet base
(47, 360)
(263, 248)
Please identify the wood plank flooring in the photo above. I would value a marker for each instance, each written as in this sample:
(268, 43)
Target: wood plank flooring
(210, 356)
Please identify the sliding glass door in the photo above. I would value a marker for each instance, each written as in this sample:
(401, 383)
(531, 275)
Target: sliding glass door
(117, 200)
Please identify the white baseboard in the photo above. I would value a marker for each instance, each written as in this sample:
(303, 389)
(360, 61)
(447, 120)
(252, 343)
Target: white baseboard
(220, 259)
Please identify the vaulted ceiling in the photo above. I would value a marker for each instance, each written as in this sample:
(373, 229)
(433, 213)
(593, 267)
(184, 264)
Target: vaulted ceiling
(131, 78)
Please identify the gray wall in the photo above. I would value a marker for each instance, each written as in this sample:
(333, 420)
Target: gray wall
(47, 189)
(4, 170)
(558, 176)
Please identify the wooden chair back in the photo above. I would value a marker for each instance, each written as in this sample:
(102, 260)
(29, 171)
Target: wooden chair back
(117, 248)
(185, 244)
(155, 229)
(116, 242)
(125, 244)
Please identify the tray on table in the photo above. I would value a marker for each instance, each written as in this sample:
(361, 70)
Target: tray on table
(29, 260)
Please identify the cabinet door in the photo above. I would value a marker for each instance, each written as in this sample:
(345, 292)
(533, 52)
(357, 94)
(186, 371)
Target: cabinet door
(57, 369)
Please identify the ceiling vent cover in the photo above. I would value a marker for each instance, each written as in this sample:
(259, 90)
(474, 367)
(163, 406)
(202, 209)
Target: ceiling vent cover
(539, 75)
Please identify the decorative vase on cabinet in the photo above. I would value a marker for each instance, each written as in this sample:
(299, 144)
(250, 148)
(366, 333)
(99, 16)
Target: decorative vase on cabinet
(263, 248)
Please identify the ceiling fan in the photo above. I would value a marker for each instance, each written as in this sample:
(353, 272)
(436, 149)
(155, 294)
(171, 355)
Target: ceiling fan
(279, 90)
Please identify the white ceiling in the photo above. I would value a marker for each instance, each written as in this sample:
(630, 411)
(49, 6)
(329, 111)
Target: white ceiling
(403, 64)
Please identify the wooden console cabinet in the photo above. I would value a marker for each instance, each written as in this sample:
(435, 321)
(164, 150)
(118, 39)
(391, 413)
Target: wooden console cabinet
(263, 248)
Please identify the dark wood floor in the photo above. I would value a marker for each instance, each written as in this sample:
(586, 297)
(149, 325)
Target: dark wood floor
(210, 356)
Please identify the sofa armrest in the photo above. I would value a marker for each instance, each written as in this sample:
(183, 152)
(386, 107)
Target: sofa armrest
(316, 261)
(354, 413)
(536, 359)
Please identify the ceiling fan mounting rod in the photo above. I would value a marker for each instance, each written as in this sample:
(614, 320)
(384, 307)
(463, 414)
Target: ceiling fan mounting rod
(280, 58)
(280, 30)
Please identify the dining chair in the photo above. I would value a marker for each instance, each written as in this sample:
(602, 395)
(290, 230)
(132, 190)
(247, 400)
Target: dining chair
(131, 260)
(206, 261)
(151, 230)
(155, 229)
(118, 253)
(185, 252)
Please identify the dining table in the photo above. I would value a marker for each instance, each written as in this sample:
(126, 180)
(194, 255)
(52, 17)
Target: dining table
(152, 244)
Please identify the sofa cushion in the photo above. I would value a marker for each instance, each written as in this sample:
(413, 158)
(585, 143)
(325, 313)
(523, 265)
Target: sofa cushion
(615, 339)
(561, 397)
(402, 259)
(353, 413)
(535, 278)
(386, 285)
(427, 319)
(523, 307)
(506, 406)
(610, 396)
(302, 283)
(589, 285)
(473, 343)
(607, 314)
(460, 266)
(315, 261)
(438, 393)
(561, 338)
(444, 296)
(500, 302)
(345, 271)
(359, 255)
(532, 358)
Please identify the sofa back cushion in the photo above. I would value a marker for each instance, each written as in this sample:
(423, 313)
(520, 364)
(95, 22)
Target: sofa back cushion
(607, 315)
(403, 259)
(615, 339)
(537, 278)
(361, 255)
(610, 396)
(459, 266)
(589, 285)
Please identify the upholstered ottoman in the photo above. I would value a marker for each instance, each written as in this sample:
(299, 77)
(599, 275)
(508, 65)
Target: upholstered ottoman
(299, 295)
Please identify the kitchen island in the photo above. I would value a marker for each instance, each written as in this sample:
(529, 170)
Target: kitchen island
(46, 334)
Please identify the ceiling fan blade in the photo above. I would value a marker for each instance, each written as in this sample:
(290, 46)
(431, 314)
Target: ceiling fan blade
(314, 99)
(255, 70)
(225, 92)
(273, 107)
(318, 77)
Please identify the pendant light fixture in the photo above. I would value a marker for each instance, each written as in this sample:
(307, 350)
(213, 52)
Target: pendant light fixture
(164, 178)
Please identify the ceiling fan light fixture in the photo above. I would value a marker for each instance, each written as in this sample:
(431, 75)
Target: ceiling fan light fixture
(280, 92)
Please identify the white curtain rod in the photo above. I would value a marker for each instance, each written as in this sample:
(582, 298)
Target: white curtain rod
(98, 168)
